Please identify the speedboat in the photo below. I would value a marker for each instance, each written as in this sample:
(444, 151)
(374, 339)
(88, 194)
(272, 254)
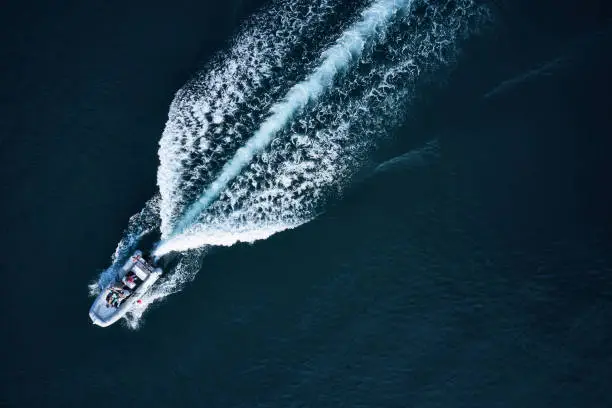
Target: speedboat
(134, 279)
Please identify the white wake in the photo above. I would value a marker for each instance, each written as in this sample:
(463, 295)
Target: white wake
(277, 125)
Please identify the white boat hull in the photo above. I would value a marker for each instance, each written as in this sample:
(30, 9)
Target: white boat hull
(102, 314)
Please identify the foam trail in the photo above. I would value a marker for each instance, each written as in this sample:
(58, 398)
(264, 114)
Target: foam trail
(219, 109)
(335, 60)
(322, 136)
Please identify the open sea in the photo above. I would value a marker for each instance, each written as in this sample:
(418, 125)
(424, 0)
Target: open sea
(357, 203)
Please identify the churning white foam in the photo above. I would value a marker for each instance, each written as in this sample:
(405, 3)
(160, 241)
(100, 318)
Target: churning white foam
(312, 140)
(334, 61)
(207, 117)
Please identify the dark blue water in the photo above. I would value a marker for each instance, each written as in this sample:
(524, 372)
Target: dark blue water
(482, 279)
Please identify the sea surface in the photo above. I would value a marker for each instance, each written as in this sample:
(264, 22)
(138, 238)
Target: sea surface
(423, 221)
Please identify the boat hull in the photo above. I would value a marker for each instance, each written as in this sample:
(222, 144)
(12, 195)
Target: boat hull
(103, 315)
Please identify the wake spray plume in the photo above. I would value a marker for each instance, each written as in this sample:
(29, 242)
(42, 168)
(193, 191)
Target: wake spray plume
(335, 60)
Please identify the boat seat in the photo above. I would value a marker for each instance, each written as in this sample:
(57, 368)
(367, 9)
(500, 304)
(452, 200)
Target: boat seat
(142, 273)
(129, 284)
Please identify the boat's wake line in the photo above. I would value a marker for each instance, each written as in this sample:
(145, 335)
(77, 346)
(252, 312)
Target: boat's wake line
(273, 128)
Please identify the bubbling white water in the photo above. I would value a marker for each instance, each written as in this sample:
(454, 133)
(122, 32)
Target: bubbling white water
(334, 61)
(207, 116)
(324, 124)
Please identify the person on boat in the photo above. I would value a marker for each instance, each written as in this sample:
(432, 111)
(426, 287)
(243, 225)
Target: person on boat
(116, 302)
(129, 280)
(121, 288)
(117, 286)
(112, 299)
(121, 291)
